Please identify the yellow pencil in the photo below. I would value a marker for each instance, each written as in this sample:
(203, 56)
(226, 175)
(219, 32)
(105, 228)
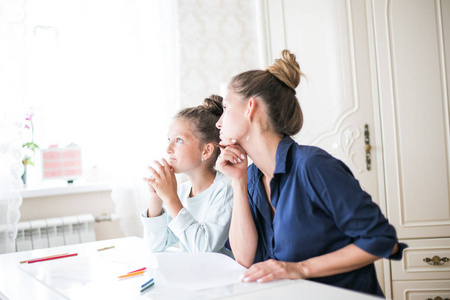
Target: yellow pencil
(132, 274)
(110, 247)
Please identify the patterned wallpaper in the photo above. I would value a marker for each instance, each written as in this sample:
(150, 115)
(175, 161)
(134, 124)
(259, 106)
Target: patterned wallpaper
(217, 39)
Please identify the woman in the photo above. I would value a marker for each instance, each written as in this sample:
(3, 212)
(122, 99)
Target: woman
(297, 212)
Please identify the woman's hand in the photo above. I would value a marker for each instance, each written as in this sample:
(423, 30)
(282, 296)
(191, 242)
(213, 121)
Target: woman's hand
(273, 269)
(346, 259)
(232, 160)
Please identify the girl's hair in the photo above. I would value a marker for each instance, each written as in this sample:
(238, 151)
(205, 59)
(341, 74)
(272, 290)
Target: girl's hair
(202, 120)
(276, 88)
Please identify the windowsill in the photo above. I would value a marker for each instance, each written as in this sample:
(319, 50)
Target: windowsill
(65, 189)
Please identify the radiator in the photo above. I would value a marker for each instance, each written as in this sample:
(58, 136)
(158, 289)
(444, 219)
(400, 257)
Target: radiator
(46, 233)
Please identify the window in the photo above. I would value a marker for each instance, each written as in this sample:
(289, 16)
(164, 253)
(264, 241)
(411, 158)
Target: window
(96, 75)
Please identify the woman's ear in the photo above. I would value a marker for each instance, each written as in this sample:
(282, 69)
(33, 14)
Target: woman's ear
(251, 109)
(208, 150)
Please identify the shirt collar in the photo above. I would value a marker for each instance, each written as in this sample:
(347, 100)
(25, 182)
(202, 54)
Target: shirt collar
(282, 150)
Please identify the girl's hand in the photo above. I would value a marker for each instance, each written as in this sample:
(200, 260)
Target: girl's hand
(150, 187)
(163, 181)
(232, 160)
(273, 269)
(155, 205)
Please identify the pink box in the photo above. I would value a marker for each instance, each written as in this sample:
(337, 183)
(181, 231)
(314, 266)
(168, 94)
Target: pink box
(52, 164)
(69, 172)
(51, 155)
(62, 163)
(72, 163)
(72, 154)
(57, 173)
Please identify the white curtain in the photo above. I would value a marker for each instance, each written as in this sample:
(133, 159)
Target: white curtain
(11, 169)
(130, 194)
(12, 15)
(99, 73)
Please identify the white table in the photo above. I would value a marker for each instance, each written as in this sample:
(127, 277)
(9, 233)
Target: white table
(60, 279)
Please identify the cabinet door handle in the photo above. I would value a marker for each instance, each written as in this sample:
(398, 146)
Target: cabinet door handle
(436, 260)
(437, 298)
(367, 147)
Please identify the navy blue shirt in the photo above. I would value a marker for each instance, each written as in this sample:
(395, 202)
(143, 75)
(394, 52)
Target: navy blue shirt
(319, 208)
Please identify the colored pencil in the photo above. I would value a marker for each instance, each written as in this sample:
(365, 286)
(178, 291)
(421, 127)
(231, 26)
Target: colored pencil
(147, 287)
(110, 247)
(50, 258)
(151, 280)
(132, 274)
(25, 261)
(142, 269)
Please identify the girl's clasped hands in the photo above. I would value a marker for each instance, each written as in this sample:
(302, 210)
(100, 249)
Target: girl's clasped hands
(162, 180)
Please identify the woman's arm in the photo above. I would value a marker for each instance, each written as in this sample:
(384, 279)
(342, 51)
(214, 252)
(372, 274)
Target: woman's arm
(243, 236)
(343, 260)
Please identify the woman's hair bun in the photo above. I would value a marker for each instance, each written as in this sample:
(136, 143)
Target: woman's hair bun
(286, 69)
(214, 104)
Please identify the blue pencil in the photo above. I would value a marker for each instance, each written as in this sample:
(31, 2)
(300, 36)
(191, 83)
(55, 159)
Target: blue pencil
(147, 287)
(146, 283)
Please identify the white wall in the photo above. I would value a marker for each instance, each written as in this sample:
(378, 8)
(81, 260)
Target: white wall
(96, 203)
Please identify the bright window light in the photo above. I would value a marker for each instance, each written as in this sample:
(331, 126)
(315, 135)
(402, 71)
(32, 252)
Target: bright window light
(94, 76)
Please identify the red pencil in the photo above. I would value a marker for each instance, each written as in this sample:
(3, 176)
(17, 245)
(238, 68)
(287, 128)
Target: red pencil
(137, 270)
(50, 258)
(25, 261)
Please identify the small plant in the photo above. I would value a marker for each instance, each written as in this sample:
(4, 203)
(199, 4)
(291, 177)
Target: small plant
(31, 146)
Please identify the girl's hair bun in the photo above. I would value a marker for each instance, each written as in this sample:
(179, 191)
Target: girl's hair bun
(286, 69)
(214, 104)
(202, 122)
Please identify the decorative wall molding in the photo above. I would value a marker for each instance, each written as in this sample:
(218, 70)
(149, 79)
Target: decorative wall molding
(218, 39)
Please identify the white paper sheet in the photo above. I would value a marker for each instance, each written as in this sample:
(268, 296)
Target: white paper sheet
(92, 274)
(197, 271)
(177, 275)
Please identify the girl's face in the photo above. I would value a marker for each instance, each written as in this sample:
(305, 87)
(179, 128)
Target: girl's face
(183, 149)
(233, 124)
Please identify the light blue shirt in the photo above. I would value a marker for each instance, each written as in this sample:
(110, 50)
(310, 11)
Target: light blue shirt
(201, 226)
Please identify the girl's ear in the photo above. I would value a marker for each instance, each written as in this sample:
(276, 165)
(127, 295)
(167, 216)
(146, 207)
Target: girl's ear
(208, 150)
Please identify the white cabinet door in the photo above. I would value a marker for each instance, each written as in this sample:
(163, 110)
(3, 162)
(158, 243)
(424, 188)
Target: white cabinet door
(424, 259)
(330, 39)
(421, 290)
(413, 56)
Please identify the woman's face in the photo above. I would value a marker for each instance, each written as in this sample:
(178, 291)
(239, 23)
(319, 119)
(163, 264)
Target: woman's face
(233, 124)
(183, 149)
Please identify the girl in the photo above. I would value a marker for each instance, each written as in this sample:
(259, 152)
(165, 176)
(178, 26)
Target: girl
(298, 212)
(197, 213)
